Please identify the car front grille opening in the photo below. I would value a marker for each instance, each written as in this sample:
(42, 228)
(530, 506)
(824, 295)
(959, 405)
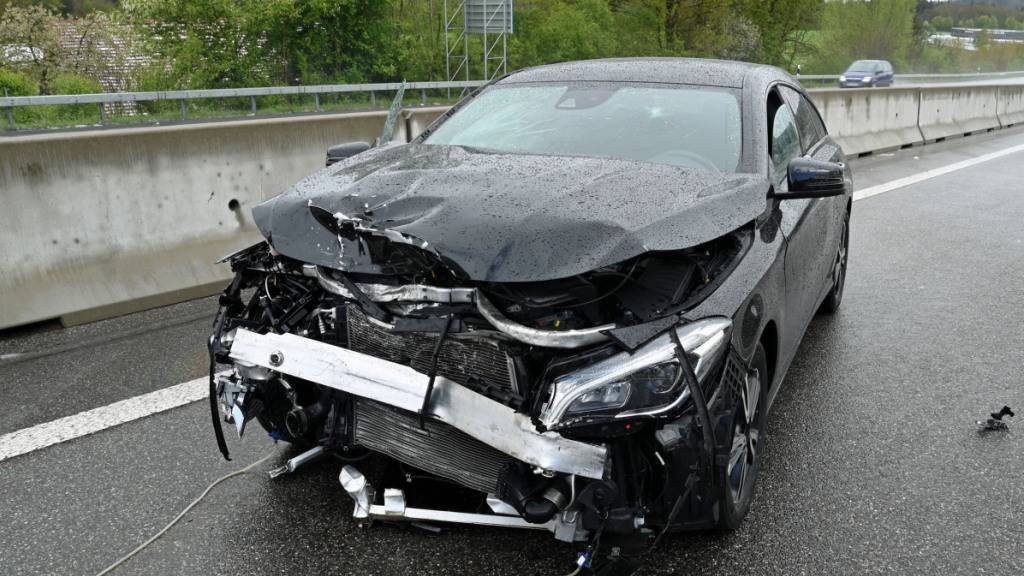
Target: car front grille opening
(475, 363)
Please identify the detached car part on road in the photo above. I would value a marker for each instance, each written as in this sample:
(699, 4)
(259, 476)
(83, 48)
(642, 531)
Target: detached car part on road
(574, 296)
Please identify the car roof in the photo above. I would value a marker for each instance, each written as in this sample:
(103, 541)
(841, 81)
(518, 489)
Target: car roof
(695, 71)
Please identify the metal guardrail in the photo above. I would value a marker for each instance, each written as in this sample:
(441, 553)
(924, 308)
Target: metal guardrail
(9, 103)
(113, 97)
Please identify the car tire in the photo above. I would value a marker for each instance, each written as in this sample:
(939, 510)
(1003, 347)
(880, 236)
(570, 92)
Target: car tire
(835, 295)
(737, 479)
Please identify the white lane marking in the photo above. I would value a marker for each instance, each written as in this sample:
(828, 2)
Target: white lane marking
(934, 173)
(96, 420)
(84, 423)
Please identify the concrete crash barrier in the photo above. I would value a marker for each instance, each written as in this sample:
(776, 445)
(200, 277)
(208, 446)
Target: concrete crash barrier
(104, 222)
(418, 119)
(869, 120)
(953, 110)
(1010, 107)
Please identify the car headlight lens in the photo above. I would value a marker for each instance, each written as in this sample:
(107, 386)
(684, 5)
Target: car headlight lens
(614, 395)
(647, 382)
(842, 78)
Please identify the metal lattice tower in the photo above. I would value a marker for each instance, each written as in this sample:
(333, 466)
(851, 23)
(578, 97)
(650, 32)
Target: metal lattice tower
(489, 19)
(455, 24)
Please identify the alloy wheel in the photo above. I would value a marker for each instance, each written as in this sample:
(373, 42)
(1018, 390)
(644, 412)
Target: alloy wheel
(839, 272)
(746, 437)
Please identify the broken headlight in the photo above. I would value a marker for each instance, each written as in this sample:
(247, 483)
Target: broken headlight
(646, 382)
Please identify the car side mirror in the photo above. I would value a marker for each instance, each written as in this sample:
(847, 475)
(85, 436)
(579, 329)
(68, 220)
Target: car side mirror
(339, 152)
(813, 179)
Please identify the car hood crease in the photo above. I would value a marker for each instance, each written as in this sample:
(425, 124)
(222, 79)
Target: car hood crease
(511, 217)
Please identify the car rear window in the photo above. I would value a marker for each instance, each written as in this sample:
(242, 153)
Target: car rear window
(665, 124)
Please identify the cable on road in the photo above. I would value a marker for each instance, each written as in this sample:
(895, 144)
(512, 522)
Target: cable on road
(181, 514)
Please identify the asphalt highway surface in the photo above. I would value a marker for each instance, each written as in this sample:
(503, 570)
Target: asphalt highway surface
(873, 464)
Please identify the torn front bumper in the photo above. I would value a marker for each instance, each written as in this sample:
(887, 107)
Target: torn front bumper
(402, 387)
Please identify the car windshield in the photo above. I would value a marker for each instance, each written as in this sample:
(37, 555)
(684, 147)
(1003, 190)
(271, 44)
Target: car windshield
(664, 124)
(863, 66)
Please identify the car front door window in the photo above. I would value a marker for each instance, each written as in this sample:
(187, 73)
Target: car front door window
(808, 122)
(785, 140)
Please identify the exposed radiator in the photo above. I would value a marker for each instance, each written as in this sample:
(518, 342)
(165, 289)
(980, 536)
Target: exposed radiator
(475, 364)
(439, 448)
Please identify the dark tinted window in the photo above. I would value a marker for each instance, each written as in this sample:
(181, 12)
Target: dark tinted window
(807, 120)
(785, 140)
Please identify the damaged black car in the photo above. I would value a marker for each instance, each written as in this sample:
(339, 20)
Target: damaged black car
(573, 298)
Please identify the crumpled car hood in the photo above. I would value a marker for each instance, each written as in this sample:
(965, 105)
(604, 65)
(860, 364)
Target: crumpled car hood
(511, 217)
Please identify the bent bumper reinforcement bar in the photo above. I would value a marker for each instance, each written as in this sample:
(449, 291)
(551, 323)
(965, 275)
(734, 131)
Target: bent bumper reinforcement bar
(402, 387)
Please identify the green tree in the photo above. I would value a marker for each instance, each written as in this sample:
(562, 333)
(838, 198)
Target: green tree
(639, 27)
(983, 40)
(701, 27)
(98, 45)
(200, 43)
(784, 26)
(42, 44)
(987, 22)
(942, 22)
(209, 43)
(558, 30)
(32, 39)
(421, 38)
(17, 84)
(20, 84)
(329, 40)
(84, 7)
(867, 30)
(51, 5)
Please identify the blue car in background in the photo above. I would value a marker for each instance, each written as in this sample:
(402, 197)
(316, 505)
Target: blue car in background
(867, 74)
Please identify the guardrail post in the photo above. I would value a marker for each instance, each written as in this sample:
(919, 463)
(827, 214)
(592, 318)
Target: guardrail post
(373, 99)
(10, 111)
(252, 104)
(316, 102)
(181, 106)
(103, 114)
(423, 97)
